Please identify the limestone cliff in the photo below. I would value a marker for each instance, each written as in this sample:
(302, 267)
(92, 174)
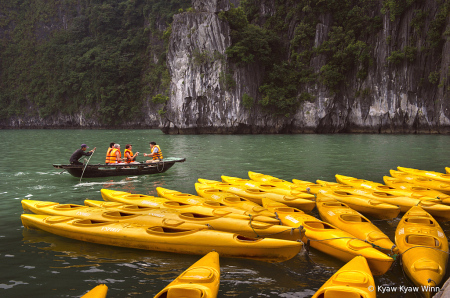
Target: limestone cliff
(392, 98)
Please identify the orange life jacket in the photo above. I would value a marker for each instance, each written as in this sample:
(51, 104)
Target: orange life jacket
(113, 158)
(158, 155)
(131, 155)
(108, 155)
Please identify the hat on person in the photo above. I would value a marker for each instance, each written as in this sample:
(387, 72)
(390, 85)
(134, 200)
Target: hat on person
(84, 145)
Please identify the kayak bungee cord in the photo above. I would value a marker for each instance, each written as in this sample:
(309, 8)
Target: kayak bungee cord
(86, 165)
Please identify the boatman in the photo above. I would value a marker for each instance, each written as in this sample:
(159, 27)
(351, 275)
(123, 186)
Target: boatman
(130, 157)
(79, 153)
(108, 153)
(156, 153)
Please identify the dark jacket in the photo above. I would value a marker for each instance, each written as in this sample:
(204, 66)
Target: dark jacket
(78, 154)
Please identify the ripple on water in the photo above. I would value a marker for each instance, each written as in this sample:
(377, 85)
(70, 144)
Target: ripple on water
(37, 187)
(14, 283)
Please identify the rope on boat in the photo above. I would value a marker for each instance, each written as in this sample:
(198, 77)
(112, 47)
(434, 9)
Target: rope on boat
(86, 165)
(162, 169)
(276, 217)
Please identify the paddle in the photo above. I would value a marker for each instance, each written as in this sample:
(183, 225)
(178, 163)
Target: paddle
(86, 165)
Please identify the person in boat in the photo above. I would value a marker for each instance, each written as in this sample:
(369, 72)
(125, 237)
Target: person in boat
(130, 157)
(108, 153)
(115, 155)
(156, 153)
(79, 153)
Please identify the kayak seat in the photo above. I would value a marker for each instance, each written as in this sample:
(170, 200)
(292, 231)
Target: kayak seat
(139, 208)
(90, 222)
(267, 186)
(288, 210)
(195, 215)
(184, 293)
(183, 195)
(68, 207)
(353, 218)
(246, 239)
(339, 294)
(335, 204)
(422, 240)
(213, 190)
(254, 191)
(135, 196)
(420, 220)
(119, 215)
(176, 204)
(342, 193)
(234, 199)
(167, 230)
(318, 225)
(214, 204)
(198, 275)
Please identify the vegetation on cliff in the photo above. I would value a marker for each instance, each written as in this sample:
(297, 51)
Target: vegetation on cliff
(65, 55)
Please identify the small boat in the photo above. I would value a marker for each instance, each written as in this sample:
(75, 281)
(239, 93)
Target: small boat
(370, 207)
(200, 280)
(247, 227)
(353, 280)
(296, 192)
(175, 240)
(428, 174)
(424, 249)
(230, 199)
(360, 183)
(422, 181)
(345, 218)
(108, 170)
(329, 239)
(425, 191)
(210, 208)
(97, 292)
(256, 195)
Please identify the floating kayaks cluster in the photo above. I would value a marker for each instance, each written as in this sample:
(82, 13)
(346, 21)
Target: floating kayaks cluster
(265, 218)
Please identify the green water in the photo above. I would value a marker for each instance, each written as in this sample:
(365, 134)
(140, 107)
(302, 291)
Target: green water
(35, 263)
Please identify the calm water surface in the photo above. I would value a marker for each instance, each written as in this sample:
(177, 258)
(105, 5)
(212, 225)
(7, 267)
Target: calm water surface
(36, 263)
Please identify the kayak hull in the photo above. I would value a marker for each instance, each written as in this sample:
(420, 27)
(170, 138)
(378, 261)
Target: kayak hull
(424, 249)
(161, 239)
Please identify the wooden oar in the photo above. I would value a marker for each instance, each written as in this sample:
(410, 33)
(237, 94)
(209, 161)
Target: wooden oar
(86, 165)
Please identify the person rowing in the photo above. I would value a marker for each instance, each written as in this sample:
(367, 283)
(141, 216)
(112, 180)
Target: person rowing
(79, 153)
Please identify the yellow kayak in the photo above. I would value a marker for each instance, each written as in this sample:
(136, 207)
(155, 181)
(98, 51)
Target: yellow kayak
(353, 280)
(329, 239)
(271, 180)
(180, 197)
(248, 228)
(295, 192)
(102, 214)
(99, 291)
(345, 218)
(447, 170)
(405, 203)
(208, 208)
(256, 195)
(200, 280)
(159, 238)
(428, 174)
(229, 199)
(371, 207)
(422, 181)
(383, 188)
(424, 191)
(424, 249)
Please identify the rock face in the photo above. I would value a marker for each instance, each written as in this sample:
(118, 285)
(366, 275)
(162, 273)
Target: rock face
(396, 98)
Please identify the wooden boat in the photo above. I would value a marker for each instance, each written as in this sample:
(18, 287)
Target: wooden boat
(104, 170)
